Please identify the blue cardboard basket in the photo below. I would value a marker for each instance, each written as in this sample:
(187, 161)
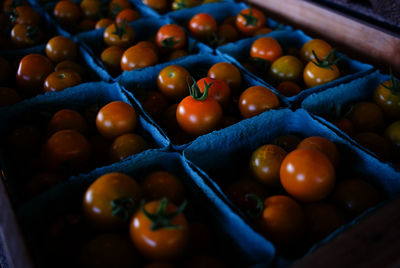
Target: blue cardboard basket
(197, 65)
(240, 50)
(74, 98)
(237, 240)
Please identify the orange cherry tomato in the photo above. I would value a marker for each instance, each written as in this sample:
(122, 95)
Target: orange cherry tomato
(119, 34)
(227, 33)
(25, 35)
(320, 47)
(288, 88)
(91, 9)
(367, 117)
(314, 75)
(325, 146)
(71, 65)
(151, 233)
(307, 175)
(66, 150)
(171, 36)
(250, 20)
(138, 57)
(67, 12)
(111, 58)
(387, 97)
(67, 119)
(32, 71)
(203, 26)
(8, 96)
(127, 145)
(266, 48)
(218, 90)
(128, 15)
(111, 200)
(25, 15)
(103, 23)
(60, 48)
(116, 6)
(161, 6)
(171, 81)
(256, 100)
(228, 73)
(58, 81)
(160, 184)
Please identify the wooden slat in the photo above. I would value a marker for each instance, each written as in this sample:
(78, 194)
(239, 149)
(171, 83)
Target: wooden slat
(14, 245)
(362, 41)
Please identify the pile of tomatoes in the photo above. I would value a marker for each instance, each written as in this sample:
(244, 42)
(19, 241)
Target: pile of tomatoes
(295, 193)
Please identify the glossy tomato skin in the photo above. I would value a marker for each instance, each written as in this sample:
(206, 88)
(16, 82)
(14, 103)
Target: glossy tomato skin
(325, 146)
(243, 24)
(67, 119)
(60, 48)
(161, 6)
(266, 48)
(160, 184)
(26, 15)
(103, 23)
(282, 221)
(255, 100)
(198, 117)
(32, 71)
(127, 145)
(111, 58)
(90, 8)
(228, 73)
(171, 32)
(286, 68)
(98, 200)
(171, 81)
(25, 35)
(314, 75)
(307, 175)
(116, 118)
(388, 101)
(60, 80)
(67, 12)
(66, 150)
(128, 15)
(203, 26)
(160, 244)
(124, 40)
(265, 163)
(138, 57)
(320, 47)
(72, 65)
(218, 90)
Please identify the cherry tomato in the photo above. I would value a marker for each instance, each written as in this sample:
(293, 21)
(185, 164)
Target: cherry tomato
(177, 54)
(256, 100)
(315, 75)
(109, 250)
(128, 15)
(160, 184)
(266, 48)
(325, 146)
(227, 33)
(161, 6)
(307, 175)
(286, 68)
(198, 114)
(25, 35)
(91, 9)
(67, 119)
(375, 143)
(138, 57)
(32, 71)
(250, 20)
(8, 96)
(150, 44)
(182, 4)
(282, 220)
(60, 48)
(67, 12)
(151, 231)
(111, 58)
(171, 36)
(354, 196)
(171, 81)
(321, 220)
(66, 150)
(320, 47)
(71, 65)
(228, 73)
(119, 34)
(218, 90)
(111, 200)
(58, 81)
(25, 15)
(265, 163)
(203, 26)
(103, 23)
(116, 118)
(288, 88)
(116, 6)
(387, 96)
(127, 145)
(367, 116)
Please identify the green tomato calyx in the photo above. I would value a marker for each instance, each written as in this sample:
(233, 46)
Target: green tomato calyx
(170, 42)
(195, 91)
(123, 208)
(327, 62)
(161, 219)
(395, 87)
(250, 19)
(120, 30)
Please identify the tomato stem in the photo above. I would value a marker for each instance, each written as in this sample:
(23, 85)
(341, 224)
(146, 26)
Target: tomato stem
(326, 63)
(123, 208)
(395, 88)
(250, 19)
(195, 91)
(213, 40)
(161, 219)
(32, 32)
(170, 42)
(120, 30)
(259, 207)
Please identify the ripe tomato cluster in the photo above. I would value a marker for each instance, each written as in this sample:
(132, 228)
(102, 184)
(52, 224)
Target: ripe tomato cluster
(164, 6)
(55, 146)
(248, 22)
(143, 222)
(293, 70)
(295, 194)
(187, 107)
(374, 123)
(93, 14)
(125, 53)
